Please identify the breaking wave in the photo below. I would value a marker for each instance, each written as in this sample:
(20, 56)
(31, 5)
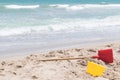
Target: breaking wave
(64, 6)
(66, 25)
(21, 6)
(84, 6)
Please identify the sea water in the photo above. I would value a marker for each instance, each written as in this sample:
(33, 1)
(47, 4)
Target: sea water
(28, 26)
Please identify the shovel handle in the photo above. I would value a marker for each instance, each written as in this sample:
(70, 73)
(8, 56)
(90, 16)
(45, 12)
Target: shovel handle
(65, 59)
(95, 57)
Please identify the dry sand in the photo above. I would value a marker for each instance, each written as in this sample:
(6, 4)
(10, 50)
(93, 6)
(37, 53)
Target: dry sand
(31, 68)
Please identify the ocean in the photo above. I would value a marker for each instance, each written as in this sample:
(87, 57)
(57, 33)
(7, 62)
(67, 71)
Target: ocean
(28, 26)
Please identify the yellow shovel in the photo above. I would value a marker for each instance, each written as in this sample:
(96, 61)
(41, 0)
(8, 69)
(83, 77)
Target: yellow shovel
(94, 69)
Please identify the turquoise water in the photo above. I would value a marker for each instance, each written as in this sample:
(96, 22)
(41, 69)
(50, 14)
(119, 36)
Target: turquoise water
(60, 1)
(32, 25)
(28, 19)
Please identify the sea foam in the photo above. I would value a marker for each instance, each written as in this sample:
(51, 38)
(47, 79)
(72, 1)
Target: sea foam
(21, 6)
(84, 6)
(66, 25)
(66, 6)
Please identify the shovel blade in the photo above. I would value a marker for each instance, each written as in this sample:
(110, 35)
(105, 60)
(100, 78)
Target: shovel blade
(94, 69)
(106, 55)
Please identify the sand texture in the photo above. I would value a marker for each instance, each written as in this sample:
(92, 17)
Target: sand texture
(32, 68)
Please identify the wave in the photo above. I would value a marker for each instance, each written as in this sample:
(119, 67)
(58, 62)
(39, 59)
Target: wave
(67, 6)
(66, 25)
(64, 6)
(21, 6)
(84, 6)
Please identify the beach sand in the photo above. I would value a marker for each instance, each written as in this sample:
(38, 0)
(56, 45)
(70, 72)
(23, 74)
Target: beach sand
(31, 67)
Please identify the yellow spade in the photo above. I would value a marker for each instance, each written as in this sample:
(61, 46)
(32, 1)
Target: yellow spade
(94, 69)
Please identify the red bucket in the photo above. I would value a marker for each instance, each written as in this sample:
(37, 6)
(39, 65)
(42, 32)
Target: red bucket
(105, 55)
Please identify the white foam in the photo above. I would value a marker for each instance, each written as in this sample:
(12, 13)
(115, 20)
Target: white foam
(101, 5)
(67, 6)
(85, 6)
(21, 6)
(66, 25)
(59, 5)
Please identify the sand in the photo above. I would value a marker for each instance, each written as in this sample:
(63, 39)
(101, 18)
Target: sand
(32, 68)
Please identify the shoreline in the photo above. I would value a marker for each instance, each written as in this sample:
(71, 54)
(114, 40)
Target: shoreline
(29, 67)
(30, 49)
